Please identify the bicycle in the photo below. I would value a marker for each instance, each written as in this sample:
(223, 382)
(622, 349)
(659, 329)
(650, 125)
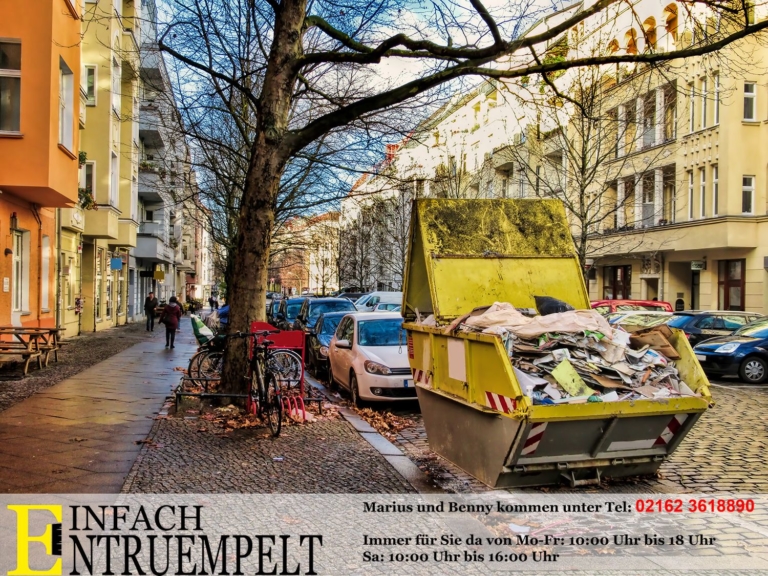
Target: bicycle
(206, 364)
(269, 399)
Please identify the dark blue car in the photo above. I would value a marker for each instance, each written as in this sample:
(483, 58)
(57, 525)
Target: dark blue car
(744, 353)
(320, 339)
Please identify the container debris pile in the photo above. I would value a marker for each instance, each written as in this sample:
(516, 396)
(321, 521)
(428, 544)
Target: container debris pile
(576, 357)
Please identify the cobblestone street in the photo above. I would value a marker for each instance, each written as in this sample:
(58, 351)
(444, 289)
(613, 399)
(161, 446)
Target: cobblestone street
(327, 456)
(723, 453)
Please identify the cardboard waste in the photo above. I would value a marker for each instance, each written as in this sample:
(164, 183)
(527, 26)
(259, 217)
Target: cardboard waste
(577, 357)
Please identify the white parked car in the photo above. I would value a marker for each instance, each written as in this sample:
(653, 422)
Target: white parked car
(368, 355)
(386, 307)
(368, 302)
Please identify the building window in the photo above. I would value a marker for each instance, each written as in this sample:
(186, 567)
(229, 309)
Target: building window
(750, 106)
(114, 186)
(521, 182)
(66, 105)
(10, 86)
(99, 285)
(690, 194)
(747, 194)
(715, 190)
(120, 282)
(538, 179)
(730, 284)
(90, 84)
(717, 99)
(504, 184)
(45, 270)
(702, 192)
(704, 103)
(692, 101)
(617, 282)
(109, 295)
(116, 86)
(18, 271)
(88, 176)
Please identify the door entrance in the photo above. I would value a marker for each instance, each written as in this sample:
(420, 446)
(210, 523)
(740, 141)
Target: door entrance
(695, 280)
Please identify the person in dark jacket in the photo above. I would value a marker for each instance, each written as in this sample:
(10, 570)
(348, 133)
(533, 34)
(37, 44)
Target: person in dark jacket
(210, 302)
(171, 317)
(150, 304)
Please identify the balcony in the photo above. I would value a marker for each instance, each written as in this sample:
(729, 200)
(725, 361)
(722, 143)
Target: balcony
(73, 219)
(150, 243)
(102, 222)
(186, 266)
(126, 234)
(153, 68)
(150, 125)
(151, 183)
(695, 235)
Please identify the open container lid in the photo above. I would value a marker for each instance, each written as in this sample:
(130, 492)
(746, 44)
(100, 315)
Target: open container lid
(463, 254)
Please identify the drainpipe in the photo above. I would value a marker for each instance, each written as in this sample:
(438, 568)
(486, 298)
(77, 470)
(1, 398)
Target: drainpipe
(36, 214)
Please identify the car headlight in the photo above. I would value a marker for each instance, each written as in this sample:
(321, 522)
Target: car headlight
(324, 351)
(727, 348)
(376, 368)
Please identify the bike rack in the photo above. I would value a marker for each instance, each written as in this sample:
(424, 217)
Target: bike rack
(289, 340)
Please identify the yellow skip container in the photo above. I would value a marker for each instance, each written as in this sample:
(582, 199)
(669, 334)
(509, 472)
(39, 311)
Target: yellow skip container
(464, 254)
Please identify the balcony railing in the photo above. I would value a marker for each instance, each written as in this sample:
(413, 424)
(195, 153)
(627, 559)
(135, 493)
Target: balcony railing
(156, 229)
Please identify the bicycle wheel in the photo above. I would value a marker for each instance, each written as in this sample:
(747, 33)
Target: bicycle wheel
(286, 367)
(273, 406)
(210, 365)
(193, 370)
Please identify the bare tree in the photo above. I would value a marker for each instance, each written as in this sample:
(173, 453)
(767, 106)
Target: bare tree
(311, 70)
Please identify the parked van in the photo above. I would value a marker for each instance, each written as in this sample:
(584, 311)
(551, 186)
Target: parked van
(368, 302)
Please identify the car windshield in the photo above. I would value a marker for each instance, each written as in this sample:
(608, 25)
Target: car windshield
(275, 306)
(334, 306)
(381, 332)
(678, 320)
(756, 330)
(330, 324)
(292, 310)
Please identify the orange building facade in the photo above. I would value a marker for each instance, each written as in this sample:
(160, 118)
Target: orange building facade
(39, 143)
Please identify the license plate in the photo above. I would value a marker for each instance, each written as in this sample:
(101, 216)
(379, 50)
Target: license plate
(700, 357)
(408, 383)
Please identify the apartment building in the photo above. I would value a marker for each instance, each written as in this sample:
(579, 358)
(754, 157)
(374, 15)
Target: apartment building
(110, 60)
(676, 208)
(165, 181)
(39, 143)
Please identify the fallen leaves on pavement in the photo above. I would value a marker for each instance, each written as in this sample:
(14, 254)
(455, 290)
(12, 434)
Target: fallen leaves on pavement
(385, 422)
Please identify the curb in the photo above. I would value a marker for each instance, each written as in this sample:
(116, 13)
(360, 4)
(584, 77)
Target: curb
(402, 464)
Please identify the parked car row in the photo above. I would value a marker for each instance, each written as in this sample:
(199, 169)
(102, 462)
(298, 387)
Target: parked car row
(358, 345)
(726, 342)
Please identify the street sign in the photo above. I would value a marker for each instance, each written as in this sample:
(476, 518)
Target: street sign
(698, 265)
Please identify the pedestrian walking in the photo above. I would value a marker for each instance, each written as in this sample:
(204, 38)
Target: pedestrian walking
(210, 302)
(171, 317)
(216, 303)
(150, 304)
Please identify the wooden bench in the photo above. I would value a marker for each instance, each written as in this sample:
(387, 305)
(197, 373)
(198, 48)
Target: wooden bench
(19, 349)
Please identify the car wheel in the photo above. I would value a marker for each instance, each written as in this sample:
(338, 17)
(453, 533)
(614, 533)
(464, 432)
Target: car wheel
(331, 381)
(754, 370)
(354, 391)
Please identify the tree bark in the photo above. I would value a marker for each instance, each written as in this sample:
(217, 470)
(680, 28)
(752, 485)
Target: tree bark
(246, 286)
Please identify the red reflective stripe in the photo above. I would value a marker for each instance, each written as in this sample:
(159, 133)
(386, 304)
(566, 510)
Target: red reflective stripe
(491, 400)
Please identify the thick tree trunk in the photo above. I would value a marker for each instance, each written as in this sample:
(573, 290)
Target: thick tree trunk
(247, 284)
(247, 278)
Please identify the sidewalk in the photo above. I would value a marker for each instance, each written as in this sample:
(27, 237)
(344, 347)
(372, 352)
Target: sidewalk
(79, 436)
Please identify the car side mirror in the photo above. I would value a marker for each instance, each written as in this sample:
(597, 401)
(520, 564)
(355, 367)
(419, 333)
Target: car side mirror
(345, 344)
